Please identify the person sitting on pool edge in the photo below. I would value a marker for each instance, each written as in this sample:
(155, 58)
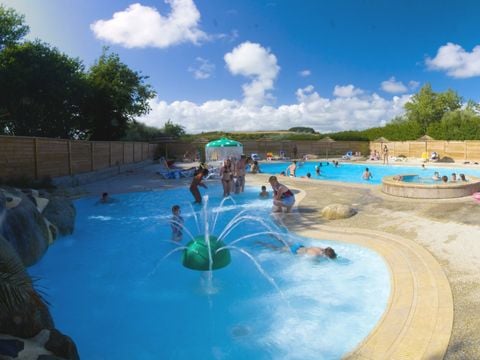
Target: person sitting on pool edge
(282, 196)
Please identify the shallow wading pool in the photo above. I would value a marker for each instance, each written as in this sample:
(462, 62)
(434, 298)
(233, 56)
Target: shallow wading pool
(113, 294)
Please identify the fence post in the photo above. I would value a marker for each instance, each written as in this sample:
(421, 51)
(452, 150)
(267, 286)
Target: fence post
(35, 157)
(92, 156)
(123, 152)
(133, 157)
(109, 154)
(69, 148)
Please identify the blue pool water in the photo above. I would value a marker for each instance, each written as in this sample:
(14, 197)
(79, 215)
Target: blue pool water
(348, 172)
(420, 180)
(110, 291)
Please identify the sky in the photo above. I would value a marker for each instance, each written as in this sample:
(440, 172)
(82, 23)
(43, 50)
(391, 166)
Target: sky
(247, 65)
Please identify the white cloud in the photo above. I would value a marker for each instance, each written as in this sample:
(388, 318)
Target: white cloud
(257, 63)
(305, 73)
(311, 110)
(203, 70)
(393, 87)
(412, 84)
(144, 26)
(455, 61)
(347, 91)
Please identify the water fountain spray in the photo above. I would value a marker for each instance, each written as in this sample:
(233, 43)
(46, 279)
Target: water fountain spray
(206, 252)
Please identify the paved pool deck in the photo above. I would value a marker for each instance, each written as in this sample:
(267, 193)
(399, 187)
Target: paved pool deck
(430, 246)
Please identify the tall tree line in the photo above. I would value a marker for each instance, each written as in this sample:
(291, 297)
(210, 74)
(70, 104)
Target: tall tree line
(44, 92)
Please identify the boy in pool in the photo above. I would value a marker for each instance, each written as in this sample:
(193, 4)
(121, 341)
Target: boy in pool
(300, 249)
(316, 251)
(264, 192)
(176, 223)
(106, 199)
(367, 175)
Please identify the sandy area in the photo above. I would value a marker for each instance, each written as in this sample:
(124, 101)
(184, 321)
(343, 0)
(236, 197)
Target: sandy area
(449, 229)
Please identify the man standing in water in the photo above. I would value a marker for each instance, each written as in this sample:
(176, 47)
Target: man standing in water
(240, 166)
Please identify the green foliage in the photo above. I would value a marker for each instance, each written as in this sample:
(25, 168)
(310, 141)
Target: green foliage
(140, 132)
(301, 129)
(16, 287)
(349, 136)
(12, 27)
(399, 129)
(457, 125)
(116, 95)
(427, 107)
(41, 92)
(174, 130)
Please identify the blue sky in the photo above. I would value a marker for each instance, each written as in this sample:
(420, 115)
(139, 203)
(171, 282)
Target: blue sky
(265, 65)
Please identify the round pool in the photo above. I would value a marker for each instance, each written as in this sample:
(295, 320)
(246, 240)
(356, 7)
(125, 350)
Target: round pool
(415, 186)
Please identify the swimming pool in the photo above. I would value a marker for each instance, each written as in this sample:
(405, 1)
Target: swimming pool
(352, 173)
(112, 294)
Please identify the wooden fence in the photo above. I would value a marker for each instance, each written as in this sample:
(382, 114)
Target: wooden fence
(448, 151)
(36, 158)
(39, 157)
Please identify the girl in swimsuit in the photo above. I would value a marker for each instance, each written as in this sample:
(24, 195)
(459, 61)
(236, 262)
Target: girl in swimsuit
(283, 197)
(226, 174)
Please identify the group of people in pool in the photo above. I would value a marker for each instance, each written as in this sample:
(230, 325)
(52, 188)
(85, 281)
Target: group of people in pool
(453, 178)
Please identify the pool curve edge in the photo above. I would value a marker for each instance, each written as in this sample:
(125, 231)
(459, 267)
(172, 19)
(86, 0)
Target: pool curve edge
(418, 320)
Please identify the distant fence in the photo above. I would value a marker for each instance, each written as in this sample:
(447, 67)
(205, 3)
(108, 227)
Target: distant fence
(447, 150)
(39, 157)
(177, 150)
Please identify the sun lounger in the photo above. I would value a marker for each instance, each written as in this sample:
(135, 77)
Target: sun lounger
(347, 156)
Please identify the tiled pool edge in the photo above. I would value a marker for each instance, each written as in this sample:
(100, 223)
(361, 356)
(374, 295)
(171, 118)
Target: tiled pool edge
(392, 186)
(417, 323)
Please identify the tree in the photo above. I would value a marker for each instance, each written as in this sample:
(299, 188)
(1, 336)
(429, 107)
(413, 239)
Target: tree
(427, 107)
(116, 95)
(12, 27)
(172, 129)
(140, 132)
(457, 125)
(41, 91)
(302, 129)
